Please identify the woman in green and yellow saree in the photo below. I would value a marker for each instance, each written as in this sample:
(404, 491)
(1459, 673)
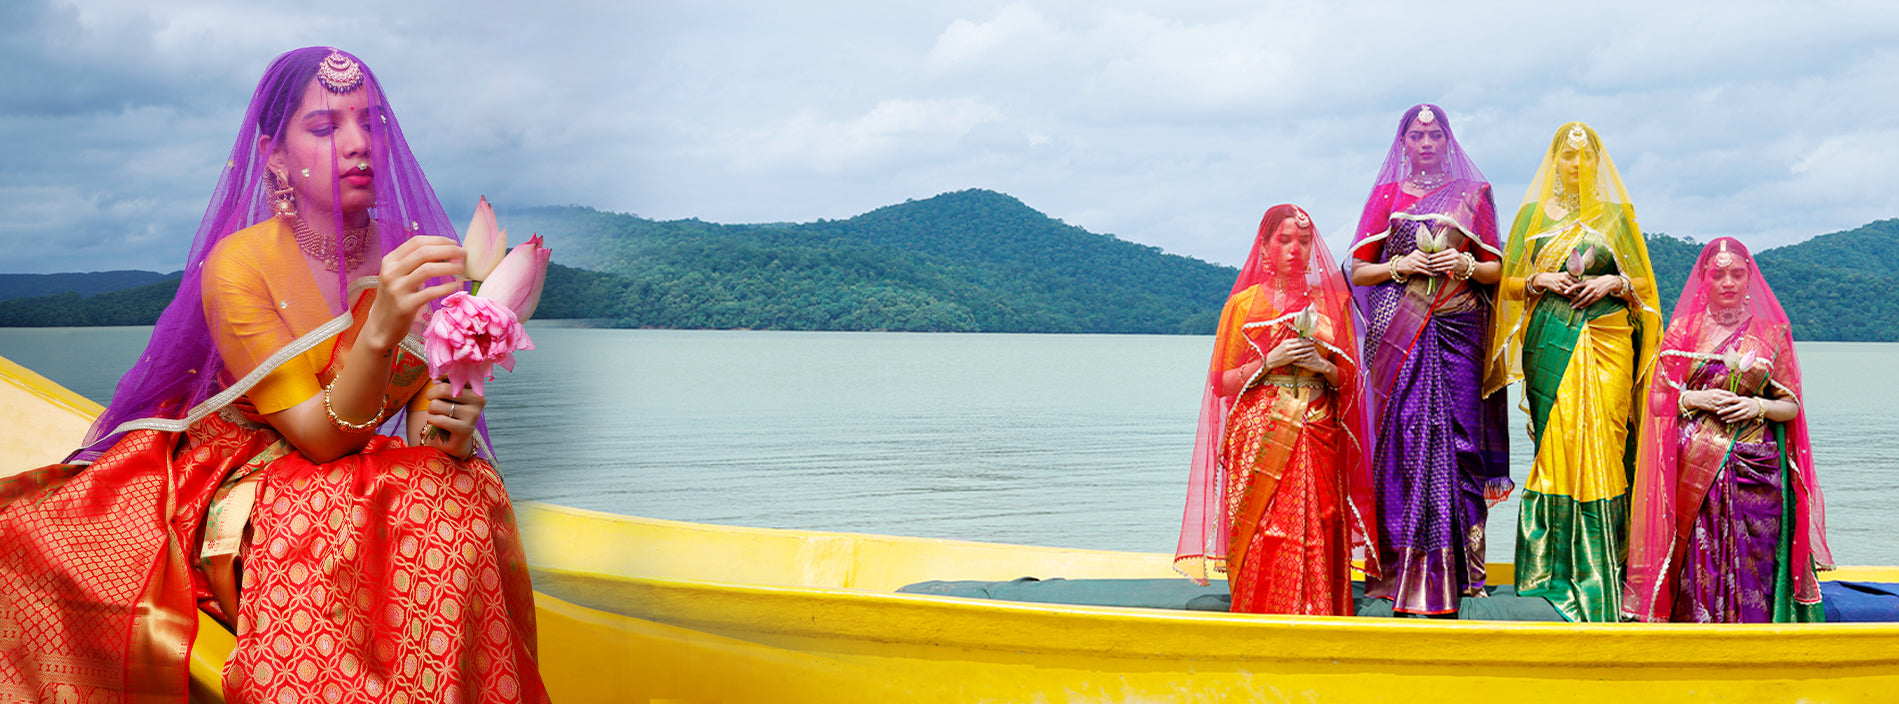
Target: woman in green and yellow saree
(1577, 321)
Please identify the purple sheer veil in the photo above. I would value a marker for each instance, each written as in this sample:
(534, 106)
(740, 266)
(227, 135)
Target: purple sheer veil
(1451, 193)
(180, 368)
(1479, 223)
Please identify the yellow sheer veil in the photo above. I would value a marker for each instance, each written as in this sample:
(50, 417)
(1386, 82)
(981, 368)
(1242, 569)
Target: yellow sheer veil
(1551, 221)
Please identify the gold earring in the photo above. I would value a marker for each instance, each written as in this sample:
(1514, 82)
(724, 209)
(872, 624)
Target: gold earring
(283, 199)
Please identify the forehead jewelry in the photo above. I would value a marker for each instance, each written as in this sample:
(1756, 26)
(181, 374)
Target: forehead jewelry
(1299, 218)
(1426, 117)
(1722, 257)
(1577, 137)
(339, 73)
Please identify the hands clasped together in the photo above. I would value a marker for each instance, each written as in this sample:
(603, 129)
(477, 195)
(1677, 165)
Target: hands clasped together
(1581, 292)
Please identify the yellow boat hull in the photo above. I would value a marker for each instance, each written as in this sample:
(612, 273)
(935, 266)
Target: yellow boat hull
(637, 609)
(828, 596)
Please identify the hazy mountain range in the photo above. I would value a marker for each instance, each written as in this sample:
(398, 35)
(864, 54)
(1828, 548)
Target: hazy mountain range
(967, 261)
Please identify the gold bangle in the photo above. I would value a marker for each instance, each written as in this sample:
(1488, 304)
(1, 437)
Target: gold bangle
(1396, 277)
(346, 426)
(1470, 266)
(1761, 408)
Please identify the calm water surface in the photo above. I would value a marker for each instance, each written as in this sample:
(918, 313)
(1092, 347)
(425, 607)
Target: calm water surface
(1068, 440)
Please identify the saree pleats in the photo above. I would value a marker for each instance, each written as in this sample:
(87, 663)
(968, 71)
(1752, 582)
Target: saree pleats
(1728, 566)
(397, 568)
(1572, 533)
(1287, 505)
(1433, 456)
(390, 574)
(96, 594)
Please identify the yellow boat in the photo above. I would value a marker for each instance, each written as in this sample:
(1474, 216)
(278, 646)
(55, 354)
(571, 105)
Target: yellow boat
(639, 609)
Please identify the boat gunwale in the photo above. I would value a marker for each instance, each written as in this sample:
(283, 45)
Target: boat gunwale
(748, 611)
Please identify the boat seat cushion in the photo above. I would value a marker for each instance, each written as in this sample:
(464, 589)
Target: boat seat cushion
(1850, 602)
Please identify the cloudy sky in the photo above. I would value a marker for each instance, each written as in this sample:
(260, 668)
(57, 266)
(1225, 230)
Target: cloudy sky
(1173, 124)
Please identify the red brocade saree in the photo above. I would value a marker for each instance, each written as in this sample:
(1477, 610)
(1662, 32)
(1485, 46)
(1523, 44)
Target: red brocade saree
(393, 574)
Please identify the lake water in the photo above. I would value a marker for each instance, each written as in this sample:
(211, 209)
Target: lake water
(1067, 440)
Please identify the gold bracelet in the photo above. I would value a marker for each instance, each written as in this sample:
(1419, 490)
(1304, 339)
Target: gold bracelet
(347, 426)
(1397, 278)
(1470, 266)
(1761, 407)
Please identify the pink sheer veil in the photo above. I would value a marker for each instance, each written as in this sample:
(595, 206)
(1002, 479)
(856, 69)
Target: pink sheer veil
(1205, 528)
(1657, 513)
(180, 375)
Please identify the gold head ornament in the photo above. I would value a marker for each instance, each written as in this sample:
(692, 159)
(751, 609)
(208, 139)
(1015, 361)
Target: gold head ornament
(1426, 117)
(1577, 137)
(339, 73)
(1723, 257)
(1300, 218)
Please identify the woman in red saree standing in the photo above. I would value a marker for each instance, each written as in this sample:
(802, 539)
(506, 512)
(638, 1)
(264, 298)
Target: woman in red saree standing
(1279, 497)
(278, 456)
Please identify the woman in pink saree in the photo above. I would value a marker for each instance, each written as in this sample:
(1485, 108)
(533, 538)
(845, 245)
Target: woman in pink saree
(1728, 521)
(269, 459)
(1278, 497)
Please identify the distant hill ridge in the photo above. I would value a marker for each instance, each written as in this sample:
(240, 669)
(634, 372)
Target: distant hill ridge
(85, 284)
(975, 260)
(967, 261)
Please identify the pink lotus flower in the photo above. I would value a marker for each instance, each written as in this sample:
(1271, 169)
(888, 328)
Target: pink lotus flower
(1577, 263)
(468, 336)
(517, 281)
(484, 244)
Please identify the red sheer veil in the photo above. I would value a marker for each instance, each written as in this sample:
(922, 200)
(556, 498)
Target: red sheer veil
(1656, 514)
(1279, 295)
(180, 375)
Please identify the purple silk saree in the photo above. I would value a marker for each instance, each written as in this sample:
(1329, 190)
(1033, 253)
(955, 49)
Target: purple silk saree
(1438, 443)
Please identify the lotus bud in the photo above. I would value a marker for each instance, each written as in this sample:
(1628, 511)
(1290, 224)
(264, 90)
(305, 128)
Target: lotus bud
(517, 281)
(1305, 323)
(484, 244)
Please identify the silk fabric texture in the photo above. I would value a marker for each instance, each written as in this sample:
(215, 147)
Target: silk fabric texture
(1728, 520)
(387, 573)
(1279, 494)
(1583, 372)
(1439, 444)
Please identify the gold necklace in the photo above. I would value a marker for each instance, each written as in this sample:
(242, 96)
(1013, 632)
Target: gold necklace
(1429, 181)
(1727, 317)
(324, 249)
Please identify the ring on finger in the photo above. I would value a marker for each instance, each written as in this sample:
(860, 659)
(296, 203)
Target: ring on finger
(451, 408)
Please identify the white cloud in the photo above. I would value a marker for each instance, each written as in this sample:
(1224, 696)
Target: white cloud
(1169, 124)
(894, 128)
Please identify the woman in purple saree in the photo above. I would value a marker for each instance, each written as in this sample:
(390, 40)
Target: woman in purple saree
(1425, 263)
(1728, 519)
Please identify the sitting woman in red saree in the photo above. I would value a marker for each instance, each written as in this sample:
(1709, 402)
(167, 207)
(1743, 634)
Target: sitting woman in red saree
(239, 469)
(1728, 522)
(1279, 497)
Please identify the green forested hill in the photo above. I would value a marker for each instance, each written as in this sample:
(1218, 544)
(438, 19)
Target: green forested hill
(966, 261)
(979, 261)
(1832, 285)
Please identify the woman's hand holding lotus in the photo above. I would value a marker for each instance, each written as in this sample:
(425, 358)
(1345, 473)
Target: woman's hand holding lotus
(404, 290)
(1584, 293)
(453, 417)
